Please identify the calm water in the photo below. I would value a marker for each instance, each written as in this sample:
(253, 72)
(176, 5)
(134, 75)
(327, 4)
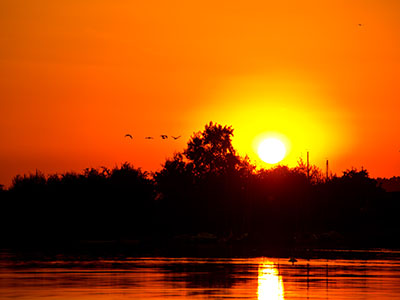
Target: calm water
(193, 278)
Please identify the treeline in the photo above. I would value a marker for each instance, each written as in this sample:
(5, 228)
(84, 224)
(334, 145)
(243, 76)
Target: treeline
(205, 194)
(390, 184)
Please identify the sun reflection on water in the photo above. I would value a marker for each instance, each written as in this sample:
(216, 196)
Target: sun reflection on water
(270, 284)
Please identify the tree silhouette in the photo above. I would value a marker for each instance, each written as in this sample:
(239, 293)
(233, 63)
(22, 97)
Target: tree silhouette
(315, 174)
(204, 187)
(211, 151)
(28, 183)
(206, 192)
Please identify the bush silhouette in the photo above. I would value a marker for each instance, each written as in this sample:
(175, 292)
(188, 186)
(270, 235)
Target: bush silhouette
(207, 192)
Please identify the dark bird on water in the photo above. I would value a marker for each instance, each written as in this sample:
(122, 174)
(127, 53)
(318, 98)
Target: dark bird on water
(129, 136)
(148, 137)
(163, 136)
(175, 137)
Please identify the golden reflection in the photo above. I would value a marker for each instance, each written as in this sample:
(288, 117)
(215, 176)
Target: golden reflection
(270, 284)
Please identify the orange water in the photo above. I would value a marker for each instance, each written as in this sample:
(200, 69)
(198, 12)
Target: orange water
(193, 278)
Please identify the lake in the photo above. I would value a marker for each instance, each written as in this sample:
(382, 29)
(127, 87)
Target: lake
(73, 278)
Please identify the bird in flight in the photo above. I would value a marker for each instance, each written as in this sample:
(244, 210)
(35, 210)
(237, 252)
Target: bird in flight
(175, 137)
(148, 137)
(359, 25)
(129, 136)
(163, 136)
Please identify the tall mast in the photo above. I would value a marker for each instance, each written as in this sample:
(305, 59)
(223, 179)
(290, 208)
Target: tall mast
(308, 166)
(327, 170)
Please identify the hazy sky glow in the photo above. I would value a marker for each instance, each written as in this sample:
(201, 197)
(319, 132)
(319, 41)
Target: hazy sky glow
(75, 76)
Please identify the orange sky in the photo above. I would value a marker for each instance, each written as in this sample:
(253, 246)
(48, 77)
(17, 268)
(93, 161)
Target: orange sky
(75, 76)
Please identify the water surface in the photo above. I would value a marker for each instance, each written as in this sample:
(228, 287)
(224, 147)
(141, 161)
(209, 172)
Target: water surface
(199, 278)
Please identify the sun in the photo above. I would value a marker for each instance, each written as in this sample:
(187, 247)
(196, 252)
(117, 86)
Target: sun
(271, 150)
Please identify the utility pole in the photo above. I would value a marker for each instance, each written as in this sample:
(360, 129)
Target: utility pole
(327, 170)
(308, 166)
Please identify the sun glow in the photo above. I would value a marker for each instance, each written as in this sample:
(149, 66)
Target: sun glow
(270, 285)
(271, 150)
(282, 107)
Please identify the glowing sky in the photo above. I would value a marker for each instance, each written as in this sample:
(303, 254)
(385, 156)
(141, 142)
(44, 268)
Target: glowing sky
(75, 76)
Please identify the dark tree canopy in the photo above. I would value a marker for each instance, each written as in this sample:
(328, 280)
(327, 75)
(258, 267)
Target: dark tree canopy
(211, 151)
(207, 191)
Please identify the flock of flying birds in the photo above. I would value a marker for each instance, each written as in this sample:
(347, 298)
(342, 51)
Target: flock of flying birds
(163, 136)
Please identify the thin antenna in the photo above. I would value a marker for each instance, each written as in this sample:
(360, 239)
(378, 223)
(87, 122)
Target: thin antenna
(308, 166)
(327, 170)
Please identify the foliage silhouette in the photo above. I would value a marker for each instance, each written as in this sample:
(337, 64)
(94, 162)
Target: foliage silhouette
(206, 194)
(211, 151)
(390, 184)
(202, 187)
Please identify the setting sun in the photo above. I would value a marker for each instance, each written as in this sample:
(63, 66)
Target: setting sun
(271, 150)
